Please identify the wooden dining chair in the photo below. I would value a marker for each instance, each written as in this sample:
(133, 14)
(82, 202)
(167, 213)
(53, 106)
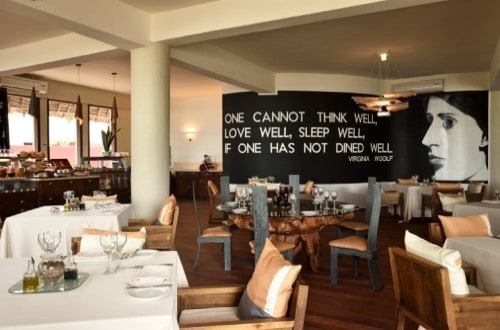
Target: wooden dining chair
(475, 191)
(423, 294)
(219, 234)
(360, 247)
(358, 227)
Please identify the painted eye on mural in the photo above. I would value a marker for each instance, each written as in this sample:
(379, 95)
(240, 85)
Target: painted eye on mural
(448, 122)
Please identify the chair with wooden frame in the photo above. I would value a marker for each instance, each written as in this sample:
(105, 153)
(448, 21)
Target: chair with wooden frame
(219, 234)
(393, 198)
(475, 191)
(158, 236)
(360, 247)
(229, 296)
(423, 294)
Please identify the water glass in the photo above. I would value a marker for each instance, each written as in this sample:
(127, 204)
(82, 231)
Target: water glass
(108, 244)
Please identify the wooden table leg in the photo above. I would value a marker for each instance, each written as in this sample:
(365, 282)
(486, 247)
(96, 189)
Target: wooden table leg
(312, 249)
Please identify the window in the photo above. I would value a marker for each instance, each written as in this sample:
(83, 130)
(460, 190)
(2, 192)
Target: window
(63, 142)
(99, 120)
(21, 124)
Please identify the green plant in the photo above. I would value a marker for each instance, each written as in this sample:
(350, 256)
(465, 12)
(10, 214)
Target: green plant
(107, 138)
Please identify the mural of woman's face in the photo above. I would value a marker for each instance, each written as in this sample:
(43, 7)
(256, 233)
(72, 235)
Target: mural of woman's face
(453, 139)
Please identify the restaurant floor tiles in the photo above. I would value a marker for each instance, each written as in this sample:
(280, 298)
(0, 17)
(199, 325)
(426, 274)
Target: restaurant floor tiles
(351, 304)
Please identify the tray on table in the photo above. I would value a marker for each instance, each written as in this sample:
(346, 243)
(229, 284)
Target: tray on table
(62, 286)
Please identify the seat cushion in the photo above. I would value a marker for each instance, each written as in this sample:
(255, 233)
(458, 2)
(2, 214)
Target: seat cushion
(353, 242)
(407, 181)
(448, 201)
(219, 231)
(213, 188)
(209, 315)
(354, 225)
(308, 187)
(90, 242)
(166, 215)
(448, 258)
(472, 225)
(270, 287)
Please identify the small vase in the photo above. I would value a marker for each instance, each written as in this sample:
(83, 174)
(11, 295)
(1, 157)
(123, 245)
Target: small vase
(106, 153)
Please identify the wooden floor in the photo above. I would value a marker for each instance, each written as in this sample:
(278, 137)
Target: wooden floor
(351, 304)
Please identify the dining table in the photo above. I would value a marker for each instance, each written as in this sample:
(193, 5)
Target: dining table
(483, 253)
(413, 199)
(101, 302)
(490, 207)
(20, 232)
(302, 229)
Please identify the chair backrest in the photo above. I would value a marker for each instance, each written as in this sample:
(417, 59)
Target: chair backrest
(422, 290)
(437, 207)
(475, 191)
(174, 228)
(224, 189)
(376, 204)
(197, 213)
(372, 184)
(260, 218)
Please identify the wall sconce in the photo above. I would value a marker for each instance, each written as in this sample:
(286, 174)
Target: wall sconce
(189, 135)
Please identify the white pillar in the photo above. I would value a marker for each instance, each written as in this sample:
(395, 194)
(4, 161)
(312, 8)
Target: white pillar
(150, 128)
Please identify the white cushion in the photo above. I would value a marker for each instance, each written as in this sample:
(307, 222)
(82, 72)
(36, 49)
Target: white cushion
(448, 258)
(91, 237)
(448, 201)
(209, 315)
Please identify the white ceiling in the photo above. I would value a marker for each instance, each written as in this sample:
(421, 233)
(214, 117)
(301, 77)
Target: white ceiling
(452, 36)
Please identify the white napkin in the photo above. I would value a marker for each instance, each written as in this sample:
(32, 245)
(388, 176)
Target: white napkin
(153, 275)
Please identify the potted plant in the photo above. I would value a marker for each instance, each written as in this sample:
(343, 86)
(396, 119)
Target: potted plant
(107, 139)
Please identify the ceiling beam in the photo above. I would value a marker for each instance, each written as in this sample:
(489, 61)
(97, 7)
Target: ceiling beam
(216, 63)
(109, 21)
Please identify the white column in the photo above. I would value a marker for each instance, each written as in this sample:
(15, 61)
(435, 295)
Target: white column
(150, 128)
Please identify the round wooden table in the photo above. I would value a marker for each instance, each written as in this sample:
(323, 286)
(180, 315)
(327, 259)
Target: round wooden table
(301, 230)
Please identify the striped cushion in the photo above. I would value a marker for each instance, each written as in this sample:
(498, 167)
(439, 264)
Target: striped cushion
(270, 287)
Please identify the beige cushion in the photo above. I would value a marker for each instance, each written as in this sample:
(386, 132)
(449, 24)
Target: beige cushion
(209, 315)
(445, 185)
(448, 258)
(407, 181)
(353, 242)
(213, 188)
(219, 231)
(308, 187)
(270, 286)
(166, 215)
(448, 201)
(355, 225)
(472, 225)
(475, 187)
(90, 242)
(105, 200)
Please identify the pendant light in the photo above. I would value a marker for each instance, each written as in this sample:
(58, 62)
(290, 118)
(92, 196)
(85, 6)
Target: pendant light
(114, 108)
(78, 111)
(34, 108)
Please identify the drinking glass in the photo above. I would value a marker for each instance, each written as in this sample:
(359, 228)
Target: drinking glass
(292, 199)
(333, 195)
(49, 241)
(326, 196)
(315, 193)
(243, 195)
(121, 240)
(496, 193)
(108, 244)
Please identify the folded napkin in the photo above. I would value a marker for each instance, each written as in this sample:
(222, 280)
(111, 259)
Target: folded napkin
(153, 275)
(82, 256)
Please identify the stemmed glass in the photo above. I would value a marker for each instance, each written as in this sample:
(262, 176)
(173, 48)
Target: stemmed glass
(108, 244)
(315, 193)
(333, 195)
(68, 195)
(249, 197)
(496, 193)
(243, 195)
(326, 196)
(292, 199)
(49, 241)
(238, 196)
(121, 240)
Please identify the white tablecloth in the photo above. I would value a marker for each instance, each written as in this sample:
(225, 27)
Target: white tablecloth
(99, 303)
(483, 253)
(20, 232)
(492, 208)
(413, 199)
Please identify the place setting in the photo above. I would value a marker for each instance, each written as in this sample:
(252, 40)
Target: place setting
(151, 282)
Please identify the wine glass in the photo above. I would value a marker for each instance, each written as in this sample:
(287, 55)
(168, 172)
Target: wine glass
(315, 193)
(496, 193)
(243, 195)
(121, 240)
(108, 244)
(292, 198)
(333, 195)
(49, 241)
(326, 196)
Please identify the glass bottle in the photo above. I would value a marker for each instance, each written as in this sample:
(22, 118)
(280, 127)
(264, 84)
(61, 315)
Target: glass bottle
(30, 277)
(71, 268)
